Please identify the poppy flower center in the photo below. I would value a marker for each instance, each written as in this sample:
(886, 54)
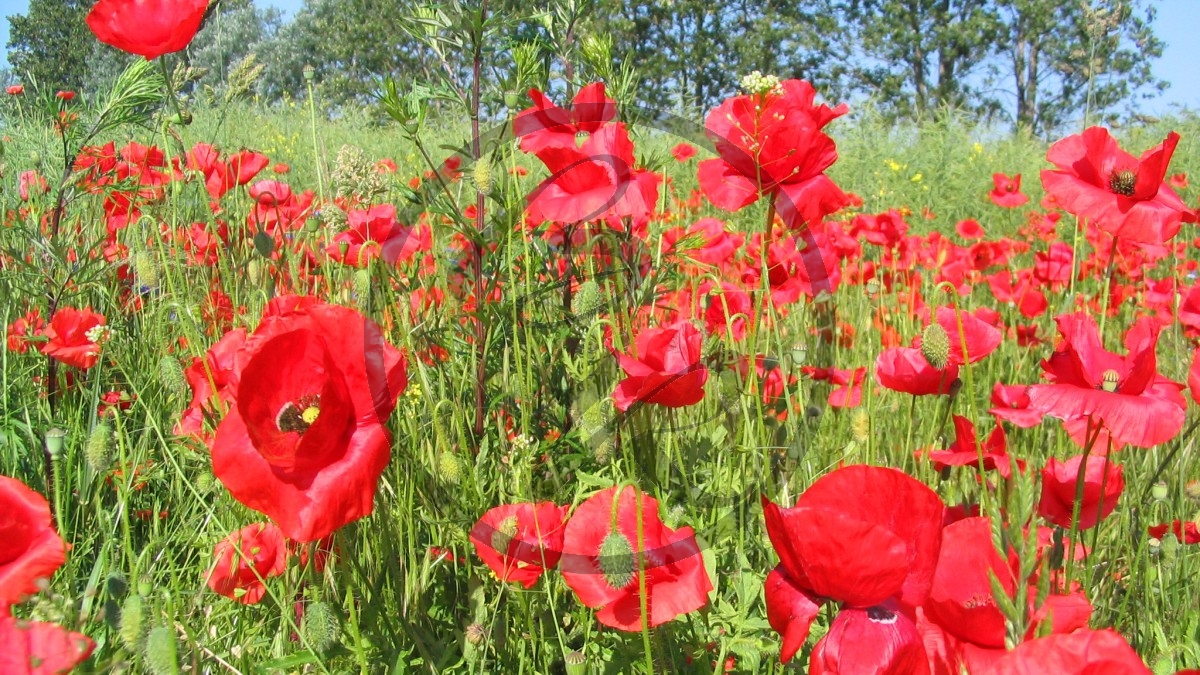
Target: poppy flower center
(881, 615)
(1110, 381)
(1122, 182)
(297, 416)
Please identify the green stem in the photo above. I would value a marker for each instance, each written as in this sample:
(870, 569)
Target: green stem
(1090, 441)
(1108, 274)
(642, 599)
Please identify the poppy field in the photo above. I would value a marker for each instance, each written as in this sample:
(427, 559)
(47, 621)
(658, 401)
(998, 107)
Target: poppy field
(564, 388)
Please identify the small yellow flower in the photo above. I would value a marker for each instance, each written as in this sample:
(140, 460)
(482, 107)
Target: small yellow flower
(893, 165)
(977, 149)
(917, 178)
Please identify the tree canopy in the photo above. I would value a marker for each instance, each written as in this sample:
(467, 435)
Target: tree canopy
(1033, 64)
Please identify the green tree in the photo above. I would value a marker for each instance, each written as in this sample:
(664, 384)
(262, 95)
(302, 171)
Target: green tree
(1072, 59)
(349, 43)
(50, 44)
(919, 55)
(692, 53)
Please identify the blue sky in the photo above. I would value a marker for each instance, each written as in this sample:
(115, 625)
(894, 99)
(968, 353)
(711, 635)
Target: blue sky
(1176, 24)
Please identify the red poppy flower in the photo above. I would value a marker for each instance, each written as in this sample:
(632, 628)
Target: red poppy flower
(245, 165)
(885, 230)
(878, 640)
(1194, 376)
(1125, 395)
(863, 536)
(1124, 195)
(797, 266)
(962, 615)
(20, 330)
(1007, 191)
(1186, 533)
(967, 450)
(520, 541)
(74, 337)
(1083, 652)
(373, 233)
(1103, 483)
(305, 442)
(847, 384)
(209, 379)
(31, 184)
(594, 181)
(682, 152)
(244, 559)
(36, 648)
(772, 144)
(148, 28)
(546, 125)
(665, 368)
(705, 241)
(729, 308)
(961, 600)
(602, 557)
(931, 367)
(30, 549)
(1025, 293)
(1012, 403)
(15, 89)
(860, 535)
(970, 229)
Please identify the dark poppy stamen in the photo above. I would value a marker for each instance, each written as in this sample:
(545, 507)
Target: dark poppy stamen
(881, 615)
(297, 417)
(1122, 182)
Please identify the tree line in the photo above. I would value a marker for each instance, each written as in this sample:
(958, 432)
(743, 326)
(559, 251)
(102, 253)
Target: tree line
(1034, 64)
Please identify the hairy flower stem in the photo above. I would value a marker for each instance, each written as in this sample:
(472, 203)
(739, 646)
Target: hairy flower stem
(312, 117)
(1108, 275)
(1090, 438)
(1162, 466)
(642, 599)
(476, 243)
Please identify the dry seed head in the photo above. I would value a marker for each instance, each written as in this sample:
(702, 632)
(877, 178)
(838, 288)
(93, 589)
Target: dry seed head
(935, 345)
(616, 560)
(504, 534)
(476, 634)
(860, 426)
(1192, 490)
